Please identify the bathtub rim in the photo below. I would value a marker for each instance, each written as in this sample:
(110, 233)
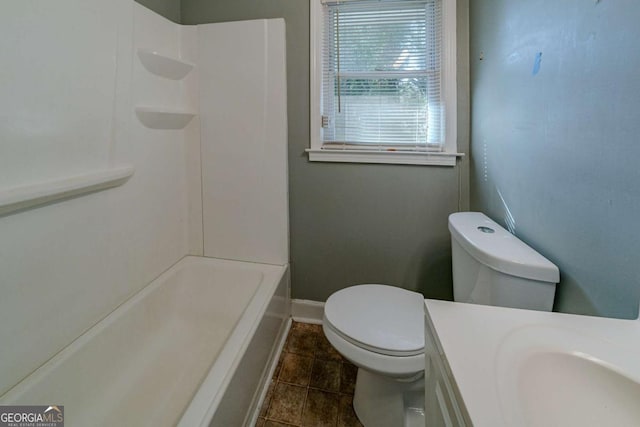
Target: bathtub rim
(201, 408)
(211, 390)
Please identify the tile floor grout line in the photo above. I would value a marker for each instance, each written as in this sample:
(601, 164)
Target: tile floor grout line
(306, 396)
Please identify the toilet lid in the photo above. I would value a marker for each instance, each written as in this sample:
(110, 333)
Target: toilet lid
(381, 318)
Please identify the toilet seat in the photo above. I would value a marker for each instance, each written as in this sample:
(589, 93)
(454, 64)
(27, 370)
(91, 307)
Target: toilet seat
(379, 318)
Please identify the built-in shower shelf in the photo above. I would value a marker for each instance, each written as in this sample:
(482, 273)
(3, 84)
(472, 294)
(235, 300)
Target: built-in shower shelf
(161, 118)
(165, 66)
(33, 195)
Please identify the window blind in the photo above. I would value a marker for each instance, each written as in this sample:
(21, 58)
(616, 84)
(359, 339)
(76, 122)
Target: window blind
(381, 75)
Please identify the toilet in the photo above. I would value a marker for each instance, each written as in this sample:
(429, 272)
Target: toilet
(380, 328)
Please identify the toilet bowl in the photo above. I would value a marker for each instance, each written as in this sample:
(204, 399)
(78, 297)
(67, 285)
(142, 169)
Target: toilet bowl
(380, 328)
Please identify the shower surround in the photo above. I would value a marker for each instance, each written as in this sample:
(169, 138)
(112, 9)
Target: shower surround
(135, 152)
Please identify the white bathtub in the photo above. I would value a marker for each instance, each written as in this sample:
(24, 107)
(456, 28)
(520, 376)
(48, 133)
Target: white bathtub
(192, 348)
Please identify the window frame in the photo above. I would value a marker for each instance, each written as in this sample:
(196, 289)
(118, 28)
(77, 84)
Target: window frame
(447, 157)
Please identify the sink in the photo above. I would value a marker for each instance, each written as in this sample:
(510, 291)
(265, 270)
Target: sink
(573, 389)
(510, 367)
(555, 376)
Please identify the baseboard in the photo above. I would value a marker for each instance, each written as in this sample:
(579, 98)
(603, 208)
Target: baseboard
(307, 311)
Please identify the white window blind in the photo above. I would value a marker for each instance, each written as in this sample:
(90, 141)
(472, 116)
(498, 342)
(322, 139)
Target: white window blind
(381, 75)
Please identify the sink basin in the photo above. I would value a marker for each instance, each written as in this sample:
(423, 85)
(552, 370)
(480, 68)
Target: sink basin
(512, 367)
(554, 376)
(566, 389)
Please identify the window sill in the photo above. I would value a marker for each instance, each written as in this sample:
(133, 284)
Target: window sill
(388, 157)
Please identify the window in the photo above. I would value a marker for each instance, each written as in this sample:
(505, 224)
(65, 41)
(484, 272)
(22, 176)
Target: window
(383, 81)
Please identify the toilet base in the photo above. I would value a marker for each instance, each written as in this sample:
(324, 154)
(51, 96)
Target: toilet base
(381, 401)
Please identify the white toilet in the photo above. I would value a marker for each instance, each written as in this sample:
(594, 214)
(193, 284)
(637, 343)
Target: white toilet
(380, 328)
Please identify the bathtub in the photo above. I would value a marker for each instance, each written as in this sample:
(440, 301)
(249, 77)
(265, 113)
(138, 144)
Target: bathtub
(193, 348)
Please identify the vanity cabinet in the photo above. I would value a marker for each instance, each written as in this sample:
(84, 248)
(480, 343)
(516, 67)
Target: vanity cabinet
(442, 407)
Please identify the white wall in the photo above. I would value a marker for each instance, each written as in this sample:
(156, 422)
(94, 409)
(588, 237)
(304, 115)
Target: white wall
(243, 111)
(57, 90)
(70, 80)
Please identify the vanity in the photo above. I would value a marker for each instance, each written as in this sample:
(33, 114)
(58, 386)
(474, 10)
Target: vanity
(495, 366)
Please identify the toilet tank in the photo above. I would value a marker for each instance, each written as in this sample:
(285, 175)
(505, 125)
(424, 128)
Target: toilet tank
(493, 267)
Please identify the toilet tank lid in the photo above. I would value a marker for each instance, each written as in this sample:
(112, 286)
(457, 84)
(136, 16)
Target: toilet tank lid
(495, 247)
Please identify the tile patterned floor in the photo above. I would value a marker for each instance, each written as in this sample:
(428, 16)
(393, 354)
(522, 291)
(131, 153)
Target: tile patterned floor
(312, 385)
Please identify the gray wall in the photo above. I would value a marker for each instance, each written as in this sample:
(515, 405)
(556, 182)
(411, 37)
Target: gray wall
(354, 223)
(170, 9)
(559, 150)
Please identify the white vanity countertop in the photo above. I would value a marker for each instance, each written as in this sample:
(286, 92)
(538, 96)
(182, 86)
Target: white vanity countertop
(482, 343)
